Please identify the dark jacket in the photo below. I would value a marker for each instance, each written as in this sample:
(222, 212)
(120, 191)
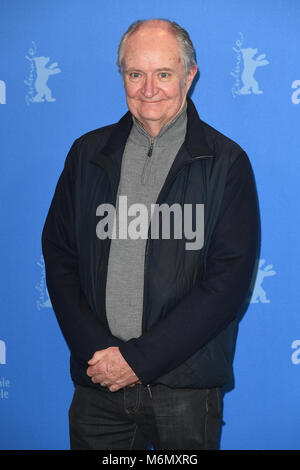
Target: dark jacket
(192, 298)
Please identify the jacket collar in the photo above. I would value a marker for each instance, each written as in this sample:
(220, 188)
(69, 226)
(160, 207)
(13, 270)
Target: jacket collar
(195, 140)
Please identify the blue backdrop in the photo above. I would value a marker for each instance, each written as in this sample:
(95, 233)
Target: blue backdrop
(58, 80)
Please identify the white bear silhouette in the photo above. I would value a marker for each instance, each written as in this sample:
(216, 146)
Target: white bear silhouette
(259, 293)
(2, 92)
(43, 73)
(250, 64)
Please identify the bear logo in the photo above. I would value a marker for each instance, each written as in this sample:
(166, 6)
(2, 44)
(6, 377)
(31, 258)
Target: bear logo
(42, 90)
(250, 65)
(2, 92)
(259, 294)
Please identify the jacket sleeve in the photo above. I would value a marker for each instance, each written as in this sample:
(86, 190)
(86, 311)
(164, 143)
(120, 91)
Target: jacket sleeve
(81, 327)
(210, 306)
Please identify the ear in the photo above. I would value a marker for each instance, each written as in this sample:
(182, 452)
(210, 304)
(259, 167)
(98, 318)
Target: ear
(190, 76)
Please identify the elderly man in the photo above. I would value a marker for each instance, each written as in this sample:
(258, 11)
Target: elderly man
(151, 325)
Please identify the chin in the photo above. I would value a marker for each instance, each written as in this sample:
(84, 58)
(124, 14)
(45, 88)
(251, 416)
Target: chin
(151, 116)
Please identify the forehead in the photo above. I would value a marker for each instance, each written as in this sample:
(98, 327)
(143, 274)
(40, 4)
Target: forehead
(150, 47)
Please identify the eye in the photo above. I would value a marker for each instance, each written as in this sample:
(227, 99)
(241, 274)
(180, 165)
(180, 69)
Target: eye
(134, 76)
(164, 75)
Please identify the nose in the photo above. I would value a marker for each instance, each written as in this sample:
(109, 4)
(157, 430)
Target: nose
(149, 86)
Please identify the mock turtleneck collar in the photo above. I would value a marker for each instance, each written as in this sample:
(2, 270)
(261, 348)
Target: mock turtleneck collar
(170, 132)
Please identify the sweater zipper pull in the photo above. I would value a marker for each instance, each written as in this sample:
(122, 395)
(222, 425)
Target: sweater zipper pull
(150, 149)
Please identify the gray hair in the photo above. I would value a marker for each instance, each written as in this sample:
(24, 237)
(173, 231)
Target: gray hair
(188, 54)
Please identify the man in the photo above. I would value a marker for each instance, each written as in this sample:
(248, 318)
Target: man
(150, 324)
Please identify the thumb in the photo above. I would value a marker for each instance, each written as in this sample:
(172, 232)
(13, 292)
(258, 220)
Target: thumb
(92, 361)
(96, 357)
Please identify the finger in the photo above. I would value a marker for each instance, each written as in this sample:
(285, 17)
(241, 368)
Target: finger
(99, 368)
(123, 382)
(114, 388)
(92, 371)
(96, 370)
(117, 386)
(96, 357)
(92, 361)
(102, 380)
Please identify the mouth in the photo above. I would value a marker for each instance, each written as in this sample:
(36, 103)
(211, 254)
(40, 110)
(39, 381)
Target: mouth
(150, 102)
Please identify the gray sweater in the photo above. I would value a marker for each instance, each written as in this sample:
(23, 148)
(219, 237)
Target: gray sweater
(141, 180)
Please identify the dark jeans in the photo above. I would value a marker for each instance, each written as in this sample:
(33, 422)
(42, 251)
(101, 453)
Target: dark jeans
(137, 417)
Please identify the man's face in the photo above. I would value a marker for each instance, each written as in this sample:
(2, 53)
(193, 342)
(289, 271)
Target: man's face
(154, 77)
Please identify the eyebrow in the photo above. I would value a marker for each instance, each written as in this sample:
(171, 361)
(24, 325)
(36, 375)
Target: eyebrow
(161, 69)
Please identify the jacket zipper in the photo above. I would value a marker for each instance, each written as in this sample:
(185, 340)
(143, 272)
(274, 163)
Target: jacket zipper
(171, 179)
(147, 241)
(149, 390)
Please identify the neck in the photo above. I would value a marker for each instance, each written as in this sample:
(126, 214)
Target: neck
(153, 128)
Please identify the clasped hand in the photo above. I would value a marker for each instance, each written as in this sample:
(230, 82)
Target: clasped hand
(109, 368)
